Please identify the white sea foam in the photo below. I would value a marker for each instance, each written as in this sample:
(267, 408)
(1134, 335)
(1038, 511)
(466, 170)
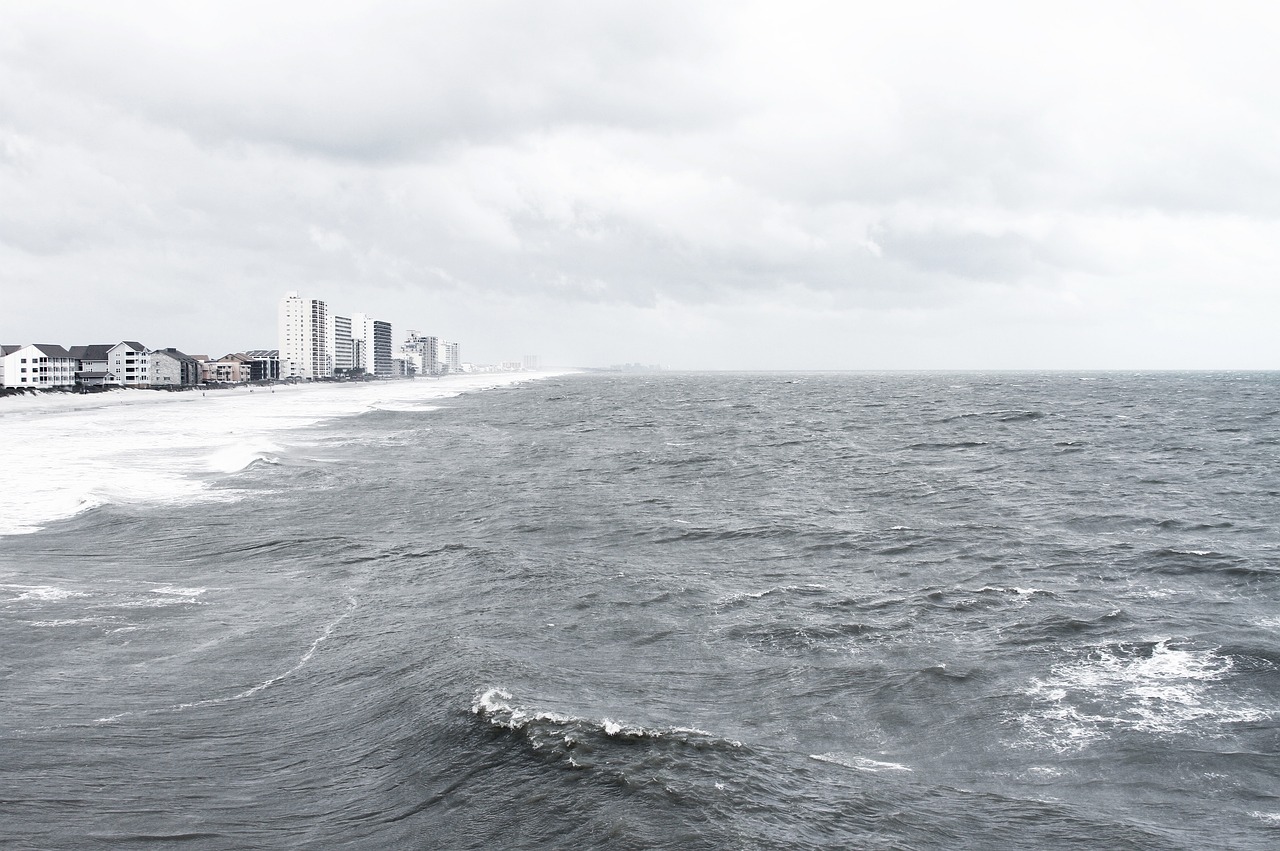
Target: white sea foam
(859, 763)
(403, 407)
(1160, 689)
(38, 593)
(549, 728)
(180, 592)
(232, 459)
(71, 453)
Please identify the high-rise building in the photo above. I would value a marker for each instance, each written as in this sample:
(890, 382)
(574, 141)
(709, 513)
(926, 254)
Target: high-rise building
(429, 354)
(341, 344)
(304, 338)
(375, 347)
(452, 359)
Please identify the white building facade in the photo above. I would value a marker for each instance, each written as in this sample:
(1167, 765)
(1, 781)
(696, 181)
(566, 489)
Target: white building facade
(38, 365)
(426, 353)
(304, 338)
(341, 344)
(129, 365)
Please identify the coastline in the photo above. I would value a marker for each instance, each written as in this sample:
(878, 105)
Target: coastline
(76, 452)
(56, 402)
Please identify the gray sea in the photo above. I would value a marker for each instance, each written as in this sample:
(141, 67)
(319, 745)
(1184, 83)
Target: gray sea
(689, 611)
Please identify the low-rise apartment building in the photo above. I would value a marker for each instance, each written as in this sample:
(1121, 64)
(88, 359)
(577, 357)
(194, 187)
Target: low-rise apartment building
(129, 365)
(172, 368)
(38, 365)
(228, 369)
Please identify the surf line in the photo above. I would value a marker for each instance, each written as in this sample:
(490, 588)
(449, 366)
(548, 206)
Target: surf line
(352, 603)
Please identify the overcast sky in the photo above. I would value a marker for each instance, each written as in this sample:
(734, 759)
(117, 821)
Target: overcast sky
(699, 184)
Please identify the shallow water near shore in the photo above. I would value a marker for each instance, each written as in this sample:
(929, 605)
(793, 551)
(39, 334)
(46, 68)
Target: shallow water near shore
(673, 610)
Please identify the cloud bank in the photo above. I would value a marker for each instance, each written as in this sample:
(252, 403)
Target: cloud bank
(704, 184)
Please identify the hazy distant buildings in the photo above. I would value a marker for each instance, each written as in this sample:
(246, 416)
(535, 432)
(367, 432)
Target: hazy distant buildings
(530, 362)
(304, 338)
(431, 355)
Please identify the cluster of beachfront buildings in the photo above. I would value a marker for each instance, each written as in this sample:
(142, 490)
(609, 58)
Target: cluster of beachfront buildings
(317, 343)
(43, 366)
(314, 344)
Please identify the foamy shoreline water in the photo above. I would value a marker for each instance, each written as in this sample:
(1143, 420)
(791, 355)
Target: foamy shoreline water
(46, 401)
(70, 452)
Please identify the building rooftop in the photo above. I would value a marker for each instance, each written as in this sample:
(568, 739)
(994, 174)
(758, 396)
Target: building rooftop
(96, 351)
(49, 350)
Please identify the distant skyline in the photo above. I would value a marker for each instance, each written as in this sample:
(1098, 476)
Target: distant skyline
(717, 185)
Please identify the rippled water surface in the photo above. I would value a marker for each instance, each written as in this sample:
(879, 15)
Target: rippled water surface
(686, 611)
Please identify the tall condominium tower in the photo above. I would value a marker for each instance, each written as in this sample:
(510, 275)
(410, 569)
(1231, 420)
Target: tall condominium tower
(375, 344)
(341, 344)
(304, 338)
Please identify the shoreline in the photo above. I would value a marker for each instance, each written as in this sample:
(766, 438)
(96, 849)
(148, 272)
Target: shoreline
(45, 401)
(151, 446)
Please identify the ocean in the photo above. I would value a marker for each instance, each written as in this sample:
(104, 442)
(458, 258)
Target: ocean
(670, 610)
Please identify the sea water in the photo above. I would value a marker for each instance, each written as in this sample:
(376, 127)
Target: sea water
(649, 611)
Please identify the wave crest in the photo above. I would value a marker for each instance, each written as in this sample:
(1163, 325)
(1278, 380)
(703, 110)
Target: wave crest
(583, 742)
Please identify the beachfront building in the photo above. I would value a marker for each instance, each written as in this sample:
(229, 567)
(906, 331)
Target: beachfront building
(128, 365)
(375, 344)
(228, 369)
(412, 351)
(452, 357)
(39, 365)
(357, 356)
(304, 338)
(402, 366)
(425, 353)
(341, 344)
(264, 364)
(5, 351)
(93, 364)
(172, 368)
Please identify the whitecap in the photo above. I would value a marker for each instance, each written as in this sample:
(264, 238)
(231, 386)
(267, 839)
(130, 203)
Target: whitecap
(233, 459)
(41, 593)
(1156, 688)
(859, 763)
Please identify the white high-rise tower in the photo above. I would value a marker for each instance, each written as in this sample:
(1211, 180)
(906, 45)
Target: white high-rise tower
(304, 338)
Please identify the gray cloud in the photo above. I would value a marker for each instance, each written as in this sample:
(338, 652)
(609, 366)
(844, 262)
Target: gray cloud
(809, 164)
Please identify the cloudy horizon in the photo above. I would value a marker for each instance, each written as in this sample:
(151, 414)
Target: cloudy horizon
(699, 184)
